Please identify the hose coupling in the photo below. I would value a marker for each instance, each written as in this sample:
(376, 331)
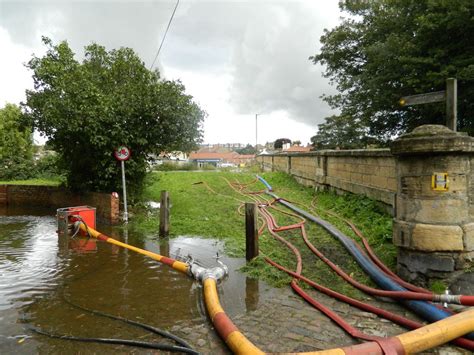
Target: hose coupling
(201, 273)
(447, 298)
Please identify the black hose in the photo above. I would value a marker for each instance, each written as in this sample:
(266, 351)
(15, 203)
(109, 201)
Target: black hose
(148, 327)
(186, 348)
(141, 344)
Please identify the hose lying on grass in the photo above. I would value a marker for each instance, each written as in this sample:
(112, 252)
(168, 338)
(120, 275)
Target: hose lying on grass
(425, 309)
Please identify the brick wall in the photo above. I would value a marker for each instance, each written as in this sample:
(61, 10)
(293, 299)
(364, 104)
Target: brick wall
(107, 207)
(370, 172)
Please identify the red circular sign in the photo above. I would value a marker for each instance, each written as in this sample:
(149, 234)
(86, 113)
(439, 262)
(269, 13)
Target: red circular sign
(122, 153)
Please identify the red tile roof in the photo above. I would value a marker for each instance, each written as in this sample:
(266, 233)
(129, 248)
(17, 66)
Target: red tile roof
(297, 148)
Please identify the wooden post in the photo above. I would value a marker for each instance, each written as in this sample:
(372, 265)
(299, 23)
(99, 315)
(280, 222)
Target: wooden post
(451, 103)
(251, 231)
(164, 214)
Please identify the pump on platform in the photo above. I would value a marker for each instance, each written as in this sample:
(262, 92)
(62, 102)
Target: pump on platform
(68, 215)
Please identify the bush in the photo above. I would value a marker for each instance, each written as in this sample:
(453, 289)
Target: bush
(17, 170)
(168, 166)
(48, 166)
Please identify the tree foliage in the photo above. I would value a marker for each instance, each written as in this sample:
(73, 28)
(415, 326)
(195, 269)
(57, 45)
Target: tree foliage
(387, 49)
(247, 150)
(280, 141)
(339, 132)
(87, 109)
(16, 146)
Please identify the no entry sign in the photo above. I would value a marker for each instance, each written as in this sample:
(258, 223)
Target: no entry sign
(122, 153)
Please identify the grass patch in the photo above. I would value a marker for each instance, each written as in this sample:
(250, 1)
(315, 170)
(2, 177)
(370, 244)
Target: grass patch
(198, 211)
(37, 182)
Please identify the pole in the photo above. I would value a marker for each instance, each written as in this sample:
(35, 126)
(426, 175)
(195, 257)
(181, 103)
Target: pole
(125, 209)
(251, 231)
(451, 103)
(164, 214)
(256, 131)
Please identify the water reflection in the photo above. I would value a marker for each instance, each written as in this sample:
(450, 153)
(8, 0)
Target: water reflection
(41, 274)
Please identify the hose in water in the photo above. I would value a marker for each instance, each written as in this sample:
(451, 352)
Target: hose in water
(148, 327)
(135, 343)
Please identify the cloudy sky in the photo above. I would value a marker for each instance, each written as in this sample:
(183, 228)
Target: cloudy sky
(237, 58)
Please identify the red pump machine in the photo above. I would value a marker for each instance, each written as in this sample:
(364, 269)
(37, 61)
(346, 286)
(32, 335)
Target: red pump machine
(66, 218)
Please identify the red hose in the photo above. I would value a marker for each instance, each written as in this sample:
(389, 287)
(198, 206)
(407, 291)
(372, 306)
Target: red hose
(354, 332)
(468, 344)
(405, 322)
(373, 256)
(422, 296)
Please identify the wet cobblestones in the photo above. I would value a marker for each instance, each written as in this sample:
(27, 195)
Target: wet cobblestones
(285, 323)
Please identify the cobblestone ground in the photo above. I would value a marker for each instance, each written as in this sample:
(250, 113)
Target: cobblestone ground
(285, 323)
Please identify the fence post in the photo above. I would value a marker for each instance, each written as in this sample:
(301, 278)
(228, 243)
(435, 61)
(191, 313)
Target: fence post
(164, 214)
(251, 231)
(451, 103)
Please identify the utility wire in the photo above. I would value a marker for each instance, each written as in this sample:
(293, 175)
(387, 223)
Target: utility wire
(163, 40)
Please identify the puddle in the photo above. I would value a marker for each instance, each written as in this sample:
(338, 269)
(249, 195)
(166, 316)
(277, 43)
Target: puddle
(40, 275)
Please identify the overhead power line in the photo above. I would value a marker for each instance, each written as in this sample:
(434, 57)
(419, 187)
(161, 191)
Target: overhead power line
(163, 39)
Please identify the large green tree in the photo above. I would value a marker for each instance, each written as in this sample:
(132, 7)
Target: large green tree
(16, 148)
(340, 132)
(386, 49)
(87, 109)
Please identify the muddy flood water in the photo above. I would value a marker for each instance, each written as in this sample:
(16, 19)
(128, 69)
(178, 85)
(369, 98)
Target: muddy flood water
(43, 278)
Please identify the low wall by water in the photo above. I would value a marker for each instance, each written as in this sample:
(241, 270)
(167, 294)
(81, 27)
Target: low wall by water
(370, 172)
(107, 206)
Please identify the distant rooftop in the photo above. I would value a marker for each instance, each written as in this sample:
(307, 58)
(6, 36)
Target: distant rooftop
(297, 148)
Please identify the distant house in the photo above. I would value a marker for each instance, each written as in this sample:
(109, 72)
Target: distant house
(175, 155)
(219, 159)
(297, 149)
(245, 159)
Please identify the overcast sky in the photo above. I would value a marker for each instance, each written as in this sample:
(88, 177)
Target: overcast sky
(236, 58)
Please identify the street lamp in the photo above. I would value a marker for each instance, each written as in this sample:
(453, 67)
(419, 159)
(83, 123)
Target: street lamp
(256, 132)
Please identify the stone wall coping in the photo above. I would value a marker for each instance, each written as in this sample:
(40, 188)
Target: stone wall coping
(433, 139)
(379, 152)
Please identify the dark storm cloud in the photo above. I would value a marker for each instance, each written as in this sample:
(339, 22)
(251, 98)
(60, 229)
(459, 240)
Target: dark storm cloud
(114, 24)
(264, 45)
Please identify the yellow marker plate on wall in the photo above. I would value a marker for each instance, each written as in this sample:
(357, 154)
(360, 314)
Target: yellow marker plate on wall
(439, 182)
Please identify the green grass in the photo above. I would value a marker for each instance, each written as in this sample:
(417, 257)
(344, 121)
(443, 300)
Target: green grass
(197, 211)
(36, 182)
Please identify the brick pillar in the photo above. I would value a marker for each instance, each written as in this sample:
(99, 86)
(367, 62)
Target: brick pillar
(3, 195)
(434, 225)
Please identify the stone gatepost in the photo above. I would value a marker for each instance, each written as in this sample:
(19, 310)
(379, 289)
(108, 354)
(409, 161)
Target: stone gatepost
(434, 213)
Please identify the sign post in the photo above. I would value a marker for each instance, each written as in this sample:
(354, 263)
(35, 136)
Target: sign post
(450, 96)
(122, 153)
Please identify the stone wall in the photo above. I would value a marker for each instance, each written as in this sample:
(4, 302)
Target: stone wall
(107, 206)
(434, 227)
(370, 172)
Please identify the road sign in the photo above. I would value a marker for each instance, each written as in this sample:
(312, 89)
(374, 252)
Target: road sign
(437, 96)
(122, 153)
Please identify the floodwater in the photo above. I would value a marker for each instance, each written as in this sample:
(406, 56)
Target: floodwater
(43, 277)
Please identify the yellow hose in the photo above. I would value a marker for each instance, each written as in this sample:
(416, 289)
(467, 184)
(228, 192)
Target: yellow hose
(234, 339)
(177, 265)
(415, 341)
(438, 333)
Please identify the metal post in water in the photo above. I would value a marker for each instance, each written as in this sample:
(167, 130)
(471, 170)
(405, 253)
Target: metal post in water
(251, 231)
(125, 209)
(164, 214)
